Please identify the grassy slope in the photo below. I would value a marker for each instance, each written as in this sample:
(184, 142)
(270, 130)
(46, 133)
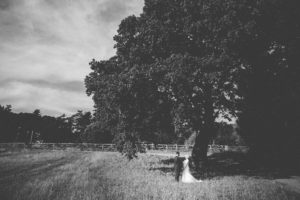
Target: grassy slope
(79, 175)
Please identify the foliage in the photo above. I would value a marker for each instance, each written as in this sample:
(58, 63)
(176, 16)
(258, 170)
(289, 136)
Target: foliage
(228, 134)
(202, 60)
(80, 122)
(35, 127)
(270, 84)
(95, 134)
(8, 125)
(169, 57)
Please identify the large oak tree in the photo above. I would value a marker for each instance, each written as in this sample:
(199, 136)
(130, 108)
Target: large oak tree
(173, 56)
(199, 60)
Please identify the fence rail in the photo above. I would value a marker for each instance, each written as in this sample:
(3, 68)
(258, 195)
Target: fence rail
(112, 147)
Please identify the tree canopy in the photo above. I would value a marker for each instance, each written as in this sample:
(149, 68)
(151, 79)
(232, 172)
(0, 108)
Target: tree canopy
(270, 86)
(184, 64)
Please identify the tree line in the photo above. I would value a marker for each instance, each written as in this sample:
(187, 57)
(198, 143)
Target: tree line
(183, 64)
(80, 127)
(35, 127)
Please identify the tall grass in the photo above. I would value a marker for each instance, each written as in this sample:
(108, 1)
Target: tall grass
(144, 179)
(77, 175)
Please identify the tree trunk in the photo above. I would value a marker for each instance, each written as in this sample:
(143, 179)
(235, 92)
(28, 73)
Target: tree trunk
(200, 149)
(205, 133)
(199, 152)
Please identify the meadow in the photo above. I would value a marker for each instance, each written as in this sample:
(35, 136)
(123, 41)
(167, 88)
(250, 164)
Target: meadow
(98, 175)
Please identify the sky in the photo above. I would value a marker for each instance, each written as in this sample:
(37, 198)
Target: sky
(46, 47)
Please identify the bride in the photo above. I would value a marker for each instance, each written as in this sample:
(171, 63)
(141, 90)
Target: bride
(187, 177)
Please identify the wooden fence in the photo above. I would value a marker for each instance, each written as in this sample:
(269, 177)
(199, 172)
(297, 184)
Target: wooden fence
(112, 147)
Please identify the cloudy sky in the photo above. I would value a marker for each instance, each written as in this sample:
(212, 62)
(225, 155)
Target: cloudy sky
(45, 48)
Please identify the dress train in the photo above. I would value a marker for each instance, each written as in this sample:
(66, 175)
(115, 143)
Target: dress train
(187, 177)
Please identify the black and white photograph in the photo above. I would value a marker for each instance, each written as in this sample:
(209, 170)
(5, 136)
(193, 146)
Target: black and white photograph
(149, 99)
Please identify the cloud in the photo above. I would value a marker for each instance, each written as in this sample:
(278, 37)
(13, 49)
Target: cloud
(112, 11)
(26, 97)
(46, 45)
(5, 4)
(72, 86)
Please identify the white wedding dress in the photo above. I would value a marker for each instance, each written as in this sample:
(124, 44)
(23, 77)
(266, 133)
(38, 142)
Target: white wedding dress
(187, 177)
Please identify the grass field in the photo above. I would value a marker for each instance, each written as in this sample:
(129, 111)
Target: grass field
(97, 175)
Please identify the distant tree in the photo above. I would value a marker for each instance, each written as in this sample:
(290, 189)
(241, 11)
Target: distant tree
(227, 134)
(7, 108)
(29, 126)
(57, 130)
(33, 127)
(94, 133)
(80, 122)
(37, 112)
(8, 124)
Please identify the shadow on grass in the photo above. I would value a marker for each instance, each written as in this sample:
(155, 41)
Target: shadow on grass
(231, 164)
(166, 170)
